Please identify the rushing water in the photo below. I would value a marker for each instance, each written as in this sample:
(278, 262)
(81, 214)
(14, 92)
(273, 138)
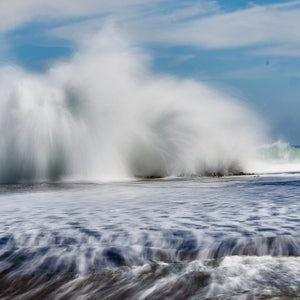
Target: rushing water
(176, 238)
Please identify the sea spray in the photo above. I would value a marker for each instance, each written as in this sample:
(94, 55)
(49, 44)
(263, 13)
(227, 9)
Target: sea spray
(102, 115)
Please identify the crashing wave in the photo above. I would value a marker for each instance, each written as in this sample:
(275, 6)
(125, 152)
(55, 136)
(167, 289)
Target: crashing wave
(102, 115)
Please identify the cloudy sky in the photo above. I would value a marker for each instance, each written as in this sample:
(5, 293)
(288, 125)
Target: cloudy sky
(250, 49)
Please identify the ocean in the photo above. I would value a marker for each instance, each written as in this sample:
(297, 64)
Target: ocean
(116, 183)
(231, 237)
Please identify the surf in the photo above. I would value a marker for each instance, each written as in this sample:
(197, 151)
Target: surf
(103, 115)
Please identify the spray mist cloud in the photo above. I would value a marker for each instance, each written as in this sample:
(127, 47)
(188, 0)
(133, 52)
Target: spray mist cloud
(102, 115)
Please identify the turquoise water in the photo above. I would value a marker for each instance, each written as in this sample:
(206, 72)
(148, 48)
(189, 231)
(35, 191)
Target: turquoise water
(281, 152)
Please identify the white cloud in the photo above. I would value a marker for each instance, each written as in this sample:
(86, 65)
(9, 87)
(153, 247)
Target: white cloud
(143, 22)
(15, 13)
(258, 25)
(271, 29)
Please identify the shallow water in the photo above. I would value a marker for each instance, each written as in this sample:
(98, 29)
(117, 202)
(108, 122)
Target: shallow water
(176, 238)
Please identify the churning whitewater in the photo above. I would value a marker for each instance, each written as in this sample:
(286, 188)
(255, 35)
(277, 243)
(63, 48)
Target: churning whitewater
(103, 116)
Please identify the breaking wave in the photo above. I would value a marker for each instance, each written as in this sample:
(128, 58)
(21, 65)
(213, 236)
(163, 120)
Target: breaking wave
(280, 152)
(277, 157)
(103, 116)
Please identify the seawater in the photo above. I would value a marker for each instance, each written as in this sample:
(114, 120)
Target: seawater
(174, 238)
(78, 222)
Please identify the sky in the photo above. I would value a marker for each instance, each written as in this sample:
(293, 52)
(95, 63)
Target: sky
(248, 49)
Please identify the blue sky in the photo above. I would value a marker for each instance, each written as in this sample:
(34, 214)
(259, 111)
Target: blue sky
(250, 49)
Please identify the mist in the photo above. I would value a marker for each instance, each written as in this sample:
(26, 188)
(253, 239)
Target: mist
(102, 115)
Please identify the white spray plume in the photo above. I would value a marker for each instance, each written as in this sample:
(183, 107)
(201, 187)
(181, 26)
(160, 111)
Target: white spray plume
(102, 115)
